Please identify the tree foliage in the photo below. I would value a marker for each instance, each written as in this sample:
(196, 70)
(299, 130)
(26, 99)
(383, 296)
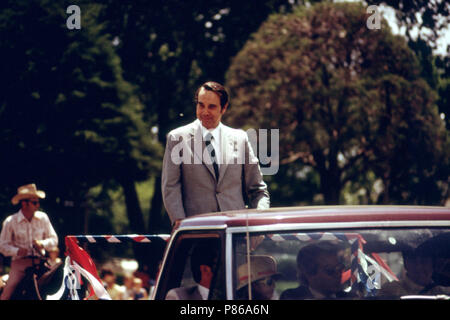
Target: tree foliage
(432, 15)
(69, 120)
(347, 100)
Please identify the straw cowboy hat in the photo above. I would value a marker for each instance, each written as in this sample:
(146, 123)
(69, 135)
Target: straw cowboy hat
(260, 268)
(26, 192)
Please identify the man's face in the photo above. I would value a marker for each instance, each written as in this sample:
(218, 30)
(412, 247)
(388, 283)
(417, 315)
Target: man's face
(109, 279)
(206, 275)
(264, 288)
(31, 205)
(208, 109)
(327, 280)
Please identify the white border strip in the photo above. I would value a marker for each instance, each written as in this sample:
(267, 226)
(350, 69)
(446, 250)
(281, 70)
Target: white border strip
(91, 239)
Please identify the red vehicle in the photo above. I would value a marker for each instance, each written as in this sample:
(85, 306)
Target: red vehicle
(327, 252)
(374, 240)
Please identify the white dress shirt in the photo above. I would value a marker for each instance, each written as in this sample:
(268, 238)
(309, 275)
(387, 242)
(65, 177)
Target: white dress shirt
(204, 292)
(18, 232)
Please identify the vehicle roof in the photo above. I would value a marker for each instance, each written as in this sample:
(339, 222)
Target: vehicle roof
(316, 214)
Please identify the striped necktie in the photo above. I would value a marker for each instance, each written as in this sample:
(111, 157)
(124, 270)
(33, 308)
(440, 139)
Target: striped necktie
(212, 153)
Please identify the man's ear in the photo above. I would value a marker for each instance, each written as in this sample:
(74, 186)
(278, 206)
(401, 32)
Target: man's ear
(224, 108)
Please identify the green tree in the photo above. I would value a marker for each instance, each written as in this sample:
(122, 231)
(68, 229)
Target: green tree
(68, 118)
(428, 19)
(343, 97)
(433, 15)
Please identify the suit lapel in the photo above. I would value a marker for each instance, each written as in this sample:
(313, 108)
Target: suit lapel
(228, 145)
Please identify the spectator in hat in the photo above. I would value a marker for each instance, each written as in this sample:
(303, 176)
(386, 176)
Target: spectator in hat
(25, 233)
(263, 276)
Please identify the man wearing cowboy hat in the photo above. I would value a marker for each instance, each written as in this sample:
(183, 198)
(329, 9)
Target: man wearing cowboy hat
(25, 233)
(263, 274)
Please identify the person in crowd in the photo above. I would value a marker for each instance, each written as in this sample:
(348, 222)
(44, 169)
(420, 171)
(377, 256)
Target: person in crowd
(115, 291)
(53, 257)
(26, 233)
(143, 273)
(128, 284)
(263, 276)
(139, 291)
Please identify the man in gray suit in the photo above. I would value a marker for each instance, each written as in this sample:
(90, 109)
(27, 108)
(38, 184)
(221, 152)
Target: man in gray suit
(208, 166)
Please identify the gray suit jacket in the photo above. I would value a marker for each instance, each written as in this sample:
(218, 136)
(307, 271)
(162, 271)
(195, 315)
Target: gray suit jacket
(189, 185)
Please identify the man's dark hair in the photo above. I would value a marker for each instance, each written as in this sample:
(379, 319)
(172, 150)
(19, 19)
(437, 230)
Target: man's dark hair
(203, 254)
(419, 252)
(214, 87)
(106, 272)
(308, 255)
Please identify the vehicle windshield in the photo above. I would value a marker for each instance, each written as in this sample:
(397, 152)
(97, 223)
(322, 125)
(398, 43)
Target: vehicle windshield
(342, 264)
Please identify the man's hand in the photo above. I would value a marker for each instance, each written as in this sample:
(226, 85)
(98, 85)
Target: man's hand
(255, 241)
(37, 244)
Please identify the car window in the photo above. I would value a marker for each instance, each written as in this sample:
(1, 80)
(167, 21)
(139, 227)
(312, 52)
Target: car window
(342, 264)
(183, 267)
